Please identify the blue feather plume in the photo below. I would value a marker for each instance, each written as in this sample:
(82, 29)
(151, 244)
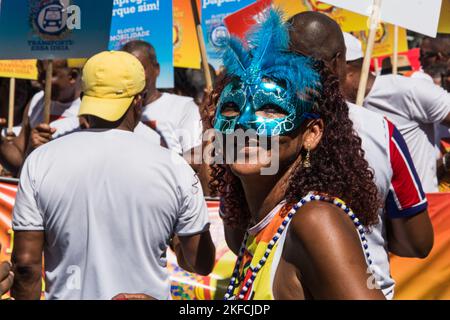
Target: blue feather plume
(267, 38)
(236, 58)
(268, 56)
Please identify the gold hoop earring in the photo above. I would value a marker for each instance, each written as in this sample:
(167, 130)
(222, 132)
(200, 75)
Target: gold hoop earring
(307, 161)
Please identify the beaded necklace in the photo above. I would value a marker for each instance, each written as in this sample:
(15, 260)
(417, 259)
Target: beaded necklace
(234, 278)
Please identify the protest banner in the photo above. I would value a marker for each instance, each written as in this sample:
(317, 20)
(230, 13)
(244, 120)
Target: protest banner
(19, 69)
(384, 40)
(185, 43)
(16, 69)
(53, 29)
(150, 21)
(239, 22)
(348, 21)
(216, 35)
(416, 15)
(76, 63)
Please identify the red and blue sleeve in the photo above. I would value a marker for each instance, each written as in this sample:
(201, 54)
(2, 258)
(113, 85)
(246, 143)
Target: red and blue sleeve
(406, 197)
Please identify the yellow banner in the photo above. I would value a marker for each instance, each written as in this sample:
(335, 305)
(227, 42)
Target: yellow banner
(384, 41)
(20, 69)
(444, 21)
(186, 50)
(348, 21)
(76, 63)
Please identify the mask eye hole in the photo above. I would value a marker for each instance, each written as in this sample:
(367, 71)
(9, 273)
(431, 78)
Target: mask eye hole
(271, 111)
(230, 109)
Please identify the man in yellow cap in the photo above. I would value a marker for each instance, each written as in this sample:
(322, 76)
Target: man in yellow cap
(108, 219)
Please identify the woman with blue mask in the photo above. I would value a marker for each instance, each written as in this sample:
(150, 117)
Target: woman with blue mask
(304, 226)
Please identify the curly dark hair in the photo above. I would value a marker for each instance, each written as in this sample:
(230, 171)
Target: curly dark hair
(338, 167)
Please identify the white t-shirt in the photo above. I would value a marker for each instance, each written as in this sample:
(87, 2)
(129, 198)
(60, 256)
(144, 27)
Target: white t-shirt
(72, 124)
(58, 110)
(440, 131)
(422, 75)
(414, 106)
(177, 119)
(108, 202)
(373, 131)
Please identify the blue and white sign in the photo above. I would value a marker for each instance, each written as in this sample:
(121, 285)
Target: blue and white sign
(54, 29)
(215, 33)
(150, 21)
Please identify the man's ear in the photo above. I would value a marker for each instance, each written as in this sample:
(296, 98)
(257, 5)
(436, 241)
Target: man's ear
(313, 135)
(74, 75)
(334, 63)
(138, 104)
(157, 70)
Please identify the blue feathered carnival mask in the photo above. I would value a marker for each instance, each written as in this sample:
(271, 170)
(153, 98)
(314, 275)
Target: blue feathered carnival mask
(272, 89)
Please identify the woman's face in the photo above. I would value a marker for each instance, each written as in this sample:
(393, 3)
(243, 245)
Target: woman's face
(265, 106)
(263, 126)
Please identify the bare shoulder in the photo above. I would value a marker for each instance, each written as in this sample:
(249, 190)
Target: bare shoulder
(324, 247)
(320, 221)
(321, 229)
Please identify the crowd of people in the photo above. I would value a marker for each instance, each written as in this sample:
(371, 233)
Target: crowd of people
(111, 182)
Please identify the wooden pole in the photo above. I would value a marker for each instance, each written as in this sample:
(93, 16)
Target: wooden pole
(48, 91)
(201, 42)
(374, 20)
(12, 94)
(376, 64)
(395, 54)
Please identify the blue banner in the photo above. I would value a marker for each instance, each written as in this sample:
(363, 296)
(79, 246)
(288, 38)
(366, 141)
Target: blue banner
(148, 20)
(215, 32)
(54, 29)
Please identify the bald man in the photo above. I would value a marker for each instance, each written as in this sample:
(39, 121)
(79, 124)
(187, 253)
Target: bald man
(409, 228)
(315, 34)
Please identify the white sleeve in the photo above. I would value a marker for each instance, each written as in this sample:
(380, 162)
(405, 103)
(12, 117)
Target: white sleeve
(193, 217)
(26, 214)
(431, 103)
(191, 127)
(65, 126)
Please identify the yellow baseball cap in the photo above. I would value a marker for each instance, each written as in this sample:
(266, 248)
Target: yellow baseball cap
(111, 80)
